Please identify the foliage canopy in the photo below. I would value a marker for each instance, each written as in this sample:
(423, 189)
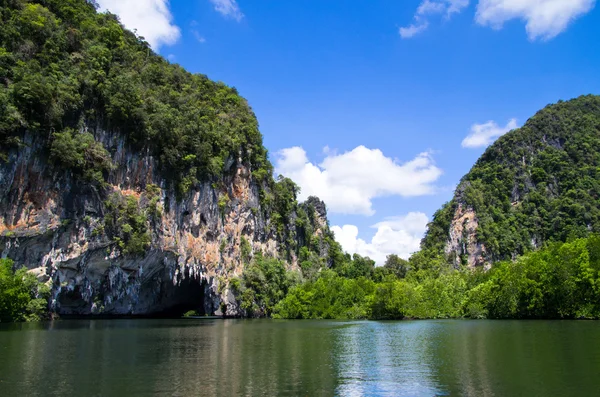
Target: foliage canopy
(22, 297)
(63, 67)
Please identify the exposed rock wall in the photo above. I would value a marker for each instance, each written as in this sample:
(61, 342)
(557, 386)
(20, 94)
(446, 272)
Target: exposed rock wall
(52, 224)
(462, 243)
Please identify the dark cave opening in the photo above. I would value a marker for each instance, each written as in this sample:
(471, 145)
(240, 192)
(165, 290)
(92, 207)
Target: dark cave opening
(187, 295)
(71, 300)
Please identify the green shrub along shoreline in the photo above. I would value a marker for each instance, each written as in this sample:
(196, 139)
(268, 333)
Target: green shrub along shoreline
(22, 297)
(561, 281)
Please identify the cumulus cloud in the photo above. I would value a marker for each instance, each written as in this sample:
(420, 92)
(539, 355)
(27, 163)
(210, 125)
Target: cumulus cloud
(151, 18)
(348, 182)
(228, 8)
(544, 19)
(484, 134)
(400, 235)
(426, 9)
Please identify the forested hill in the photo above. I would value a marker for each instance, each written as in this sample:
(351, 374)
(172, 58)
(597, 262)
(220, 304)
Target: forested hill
(129, 185)
(536, 184)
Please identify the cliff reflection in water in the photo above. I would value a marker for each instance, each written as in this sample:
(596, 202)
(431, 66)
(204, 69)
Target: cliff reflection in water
(316, 358)
(167, 357)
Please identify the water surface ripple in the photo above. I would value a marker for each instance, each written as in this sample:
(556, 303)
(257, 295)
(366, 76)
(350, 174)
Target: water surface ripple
(300, 358)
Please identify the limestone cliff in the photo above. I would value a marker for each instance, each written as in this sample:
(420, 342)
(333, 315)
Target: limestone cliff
(53, 224)
(462, 244)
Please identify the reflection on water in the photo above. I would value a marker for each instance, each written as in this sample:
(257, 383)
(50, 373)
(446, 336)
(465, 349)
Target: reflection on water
(386, 359)
(167, 357)
(311, 358)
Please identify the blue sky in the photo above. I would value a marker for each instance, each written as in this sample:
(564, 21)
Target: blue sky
(368, 103)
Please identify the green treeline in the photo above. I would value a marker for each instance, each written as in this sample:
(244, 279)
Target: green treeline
(22, 297)
(561, 281)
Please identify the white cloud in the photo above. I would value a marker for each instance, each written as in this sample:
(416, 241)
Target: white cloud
(151, 18)
(431, 7)
(545, 18)
(348, 182)
(456, 6)
(400, 235)
(228, 8)
(484, 134)
(428, 8)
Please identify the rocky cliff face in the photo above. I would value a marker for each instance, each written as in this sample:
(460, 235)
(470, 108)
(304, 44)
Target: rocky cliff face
(462, 245)
(54, 225)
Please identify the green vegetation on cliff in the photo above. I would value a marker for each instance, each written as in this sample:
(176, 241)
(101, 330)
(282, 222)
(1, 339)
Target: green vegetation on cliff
(64, 67)
(537, 184)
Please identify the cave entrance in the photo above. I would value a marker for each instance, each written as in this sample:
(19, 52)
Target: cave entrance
(187, 296)
(71, 301)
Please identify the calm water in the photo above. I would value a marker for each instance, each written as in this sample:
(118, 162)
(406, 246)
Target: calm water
(310, 358)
